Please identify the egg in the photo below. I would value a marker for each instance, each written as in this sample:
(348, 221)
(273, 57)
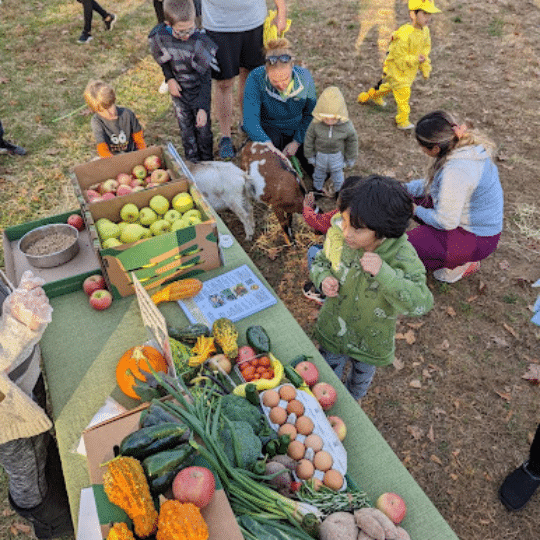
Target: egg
(296, 450)
(278, 415)
(305, 469)
(314, 441)
(295, 407)
(271, 398)
(288, 429)
(304, 425)
(323, 460)
(287, 392)
(333, 479)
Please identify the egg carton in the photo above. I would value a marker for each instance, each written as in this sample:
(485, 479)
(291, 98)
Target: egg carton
(321, 427)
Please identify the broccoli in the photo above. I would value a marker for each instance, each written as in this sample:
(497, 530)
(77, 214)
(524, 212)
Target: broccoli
(244, 439)
(238, 408)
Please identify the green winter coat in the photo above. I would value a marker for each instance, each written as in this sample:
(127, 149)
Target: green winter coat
(361, 321)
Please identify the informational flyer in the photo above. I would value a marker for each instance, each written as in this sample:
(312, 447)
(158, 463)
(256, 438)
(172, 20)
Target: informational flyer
(235, 295)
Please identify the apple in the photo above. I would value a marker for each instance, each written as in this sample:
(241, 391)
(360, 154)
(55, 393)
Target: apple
(124, 179)
(137, 182)
(338, 425)
(220, 361)
(75, 220)
(151, 185)
(159, 176)
(308, 371)
(139, 172)
(93, 283)
(108, 186)
(92, 194)
(195, 485)
(151, 163)
(101, 299)
(107, 196)
(325, 394)
(393, 506)
(138, 188)
(182, 202)
(123, 189)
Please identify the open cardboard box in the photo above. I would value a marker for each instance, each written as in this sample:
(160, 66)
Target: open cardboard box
(59, 280)
(101, 440)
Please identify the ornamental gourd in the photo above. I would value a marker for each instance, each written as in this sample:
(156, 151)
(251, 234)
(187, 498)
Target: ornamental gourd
(181, 521)
(128, 370)
(226, 336)
(120, 531)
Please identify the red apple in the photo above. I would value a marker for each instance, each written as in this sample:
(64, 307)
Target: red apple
(93, 283)
(151, 163)
(139, 171)
(75, 220)
(92, 194)
(325, 394)
(101, 299)
(338, 425)
(151, 185)
(124, 179)
(107, 196)
(393, 506)
(159, 176)
(108, 186)
(137, 182)
(123, 189)
(138, 188)
(308, 371)
(195, 485)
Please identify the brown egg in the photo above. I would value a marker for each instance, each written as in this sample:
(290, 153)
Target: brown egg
(271, 398)
(323, 460)
(295, 407)
(304, 425)
(278, 415)
(305, 469)
(287, 392)
(296, 450)
(333, 479)
(314, 441)
(288, 429)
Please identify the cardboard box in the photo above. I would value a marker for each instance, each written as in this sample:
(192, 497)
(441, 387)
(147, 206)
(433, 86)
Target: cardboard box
(158, 260)
(100, 442)
(59, 280)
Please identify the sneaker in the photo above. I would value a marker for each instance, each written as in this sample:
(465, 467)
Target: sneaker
(85, 38)
(226, 148)
(12, 149)
(164, 88)
(451, 276)
(518, 487)
(311, 293)
(109, 21)
(363, 97)
(379, 101)
(405, 126)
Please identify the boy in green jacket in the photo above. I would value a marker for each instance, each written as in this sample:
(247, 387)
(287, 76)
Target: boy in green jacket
(370, 273)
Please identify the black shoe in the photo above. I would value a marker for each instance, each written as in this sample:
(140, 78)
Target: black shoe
(12, 149)
(109, 21)
(518, 487)
(85, 38)
(309, 291)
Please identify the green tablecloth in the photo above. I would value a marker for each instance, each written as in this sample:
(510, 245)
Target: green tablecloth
(81, 348)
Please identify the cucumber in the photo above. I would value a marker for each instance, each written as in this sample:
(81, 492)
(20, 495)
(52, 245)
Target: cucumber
(166, 462)
(154, 415)
(294, 377)
(189, 333)
(152, 439)
(257, 338)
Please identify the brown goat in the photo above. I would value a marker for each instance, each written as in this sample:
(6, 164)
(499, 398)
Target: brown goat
(276, 183)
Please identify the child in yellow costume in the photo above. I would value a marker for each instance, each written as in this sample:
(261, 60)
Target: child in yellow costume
(408, 52)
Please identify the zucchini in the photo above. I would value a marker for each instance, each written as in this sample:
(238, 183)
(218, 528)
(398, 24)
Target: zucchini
(294, 377)
(257, 338)
(152, 439)
(165, 462)
(154, 415)
(189, 333)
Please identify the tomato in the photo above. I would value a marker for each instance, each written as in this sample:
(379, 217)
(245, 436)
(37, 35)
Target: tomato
(267, 375)
(245, 353)
(260, 369)
(254, 362)
(248, 372)
(256, 376)
(264, 361)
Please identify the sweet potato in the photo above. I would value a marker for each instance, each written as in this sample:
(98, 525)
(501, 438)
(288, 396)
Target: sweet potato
(339, 526)
(402, 534)
(390, 531)
(369, 524)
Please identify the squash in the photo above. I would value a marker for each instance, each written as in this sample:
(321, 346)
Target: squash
(125, 485)
(120, 531)
(204, 347)
(181, 521)
(188, 334)
(132, 361)
(226, 336)
(184, 288)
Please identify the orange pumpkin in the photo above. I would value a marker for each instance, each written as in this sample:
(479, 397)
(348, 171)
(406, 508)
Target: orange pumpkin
(132, 361)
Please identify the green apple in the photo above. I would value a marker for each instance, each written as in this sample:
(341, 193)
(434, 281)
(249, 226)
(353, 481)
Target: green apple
(182, 202)
(179, 224)
(193, 216)
(147, 233)
(110, 243)
(129, 213)
(160, 226)
(147, 216)
(122, 225)
(132, 233)
(107, 229)
(159, 204)
(172, 215)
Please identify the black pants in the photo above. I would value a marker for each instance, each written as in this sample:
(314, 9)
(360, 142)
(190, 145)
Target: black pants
(198, 142)
(534, 454)
(89, 6)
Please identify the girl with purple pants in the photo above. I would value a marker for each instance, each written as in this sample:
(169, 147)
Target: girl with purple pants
(459, 206)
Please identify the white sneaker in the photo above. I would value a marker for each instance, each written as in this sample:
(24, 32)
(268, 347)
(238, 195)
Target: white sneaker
(451, 276)
(164, 88)
(405, 126)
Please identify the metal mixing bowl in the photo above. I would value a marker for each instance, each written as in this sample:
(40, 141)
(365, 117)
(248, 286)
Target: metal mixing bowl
(51, 259)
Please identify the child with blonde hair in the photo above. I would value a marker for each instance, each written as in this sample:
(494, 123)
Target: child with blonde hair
(408, 52)
(116, 129)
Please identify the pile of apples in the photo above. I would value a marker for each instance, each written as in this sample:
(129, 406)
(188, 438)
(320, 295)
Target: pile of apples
(148, 175)
(98, 296)
(159, 217)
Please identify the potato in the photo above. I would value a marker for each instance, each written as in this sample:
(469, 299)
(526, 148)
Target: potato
(339, 526)
(369, 524)
(363, 536)
(402, 534)
(390, 531)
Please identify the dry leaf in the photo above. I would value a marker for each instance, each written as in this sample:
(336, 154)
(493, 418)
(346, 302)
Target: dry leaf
(398, 364)
(438, 411)
(451, 311)
(454, 476)
(60, 80)
(410, 337)
(415, 325)
(4, 80)
(415, 383)
(533, 374)
(509, 329)
(484, 521)
(501, 342)
(504, 265)
(273, 253)
(7, 512)
(445, 345)
(426, 374)
(506, 397)
(416, 432)
(482, 287)
(313, 315)
(472, 298)
(431, 434)
(17, 528)
(435, 459)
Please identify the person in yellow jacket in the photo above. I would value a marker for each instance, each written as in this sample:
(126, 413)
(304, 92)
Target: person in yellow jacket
(408, 52)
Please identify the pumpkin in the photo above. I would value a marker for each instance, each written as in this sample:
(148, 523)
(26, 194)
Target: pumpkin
(181, 521)
(142, 357)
